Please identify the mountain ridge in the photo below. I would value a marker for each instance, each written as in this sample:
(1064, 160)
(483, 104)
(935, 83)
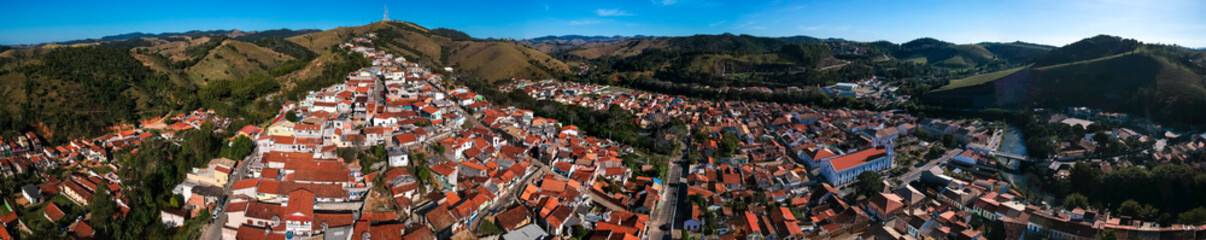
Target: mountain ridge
(1104, 72)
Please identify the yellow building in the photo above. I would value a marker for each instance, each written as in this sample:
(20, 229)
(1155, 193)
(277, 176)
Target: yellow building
(217, 173)
(281, 128)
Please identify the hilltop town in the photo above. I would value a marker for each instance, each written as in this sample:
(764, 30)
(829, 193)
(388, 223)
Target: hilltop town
(398, 150)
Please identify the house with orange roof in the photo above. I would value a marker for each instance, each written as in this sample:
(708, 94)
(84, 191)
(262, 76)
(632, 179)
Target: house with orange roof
(844, 169)
(445, 174)
(299, 213)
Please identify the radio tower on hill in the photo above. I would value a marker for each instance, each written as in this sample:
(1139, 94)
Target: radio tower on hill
(386, 17)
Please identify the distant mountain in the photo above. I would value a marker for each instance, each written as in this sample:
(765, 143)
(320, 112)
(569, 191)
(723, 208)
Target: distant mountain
(1089, 48)
(802, 38)
(925, 50)
(941, 53)
(240, 35)
(1106, 72)
(477, 58)
(580, 39)
(557, 44)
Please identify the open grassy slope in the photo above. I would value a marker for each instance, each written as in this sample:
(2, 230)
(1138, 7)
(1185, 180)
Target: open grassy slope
(978, 79)
(235, 60)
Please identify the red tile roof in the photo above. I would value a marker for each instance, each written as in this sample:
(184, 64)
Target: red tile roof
(246, 184)
(301, 206)
(857, 158)
(53, 212)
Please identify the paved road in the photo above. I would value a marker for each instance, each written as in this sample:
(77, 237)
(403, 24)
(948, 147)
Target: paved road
(673, 195)
(915, 173)
(214, 229)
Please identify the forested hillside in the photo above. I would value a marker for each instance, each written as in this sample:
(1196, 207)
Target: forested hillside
(1103, 72)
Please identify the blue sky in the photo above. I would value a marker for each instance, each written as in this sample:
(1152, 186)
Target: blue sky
(1181, 22)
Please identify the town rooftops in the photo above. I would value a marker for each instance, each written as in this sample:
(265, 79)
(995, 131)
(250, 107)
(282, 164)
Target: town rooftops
(300, 206)
(53, 212)
(857, 158)
(529, 232)
(514, 218)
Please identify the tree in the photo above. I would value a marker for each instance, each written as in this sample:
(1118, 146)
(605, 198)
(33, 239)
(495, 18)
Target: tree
(488, 228)
(1076, 200)
(238, 148)
(1195, 216)
(869, 183)
(1130, 208)
(291, 116)
(949, 140)
(1085, 178)
(729, 144)
(438, 148)
(1109, 234)
(1140, 211)
(102, 208)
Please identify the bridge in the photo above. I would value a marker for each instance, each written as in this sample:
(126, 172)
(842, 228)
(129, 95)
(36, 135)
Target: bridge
(1010, 156)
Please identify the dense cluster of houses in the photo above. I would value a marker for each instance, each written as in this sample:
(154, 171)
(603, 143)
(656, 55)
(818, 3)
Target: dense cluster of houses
(800, 159)
(454, 162)
(473, 155)
(1144, 139)
(90, 168)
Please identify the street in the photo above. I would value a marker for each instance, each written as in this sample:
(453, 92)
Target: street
(213, 230)
(915, 173)
(667, 211)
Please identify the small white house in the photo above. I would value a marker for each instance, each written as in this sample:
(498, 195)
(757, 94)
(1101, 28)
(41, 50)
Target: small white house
(172, 217)
(399, 157)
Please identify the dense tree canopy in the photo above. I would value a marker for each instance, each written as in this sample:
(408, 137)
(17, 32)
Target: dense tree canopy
(869, 183)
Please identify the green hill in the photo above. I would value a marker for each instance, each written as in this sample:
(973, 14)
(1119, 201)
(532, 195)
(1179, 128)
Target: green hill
(1109, 73)
(81, 91)
(234, 59)
(936, 52)
(1090, 48)
(483, 59)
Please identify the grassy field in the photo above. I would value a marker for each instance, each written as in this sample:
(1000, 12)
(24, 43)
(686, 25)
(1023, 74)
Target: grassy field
(615, 89)
(1084, 61)
(978, 79)
(235, 60)
(62, 201)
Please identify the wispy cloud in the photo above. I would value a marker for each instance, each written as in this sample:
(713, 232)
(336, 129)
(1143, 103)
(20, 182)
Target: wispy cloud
(749, 25)
(717, 23)
(664, 2)
(584, 22)
(612, 12)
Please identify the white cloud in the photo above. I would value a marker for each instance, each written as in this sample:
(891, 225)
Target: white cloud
(664, 2)
(584, 22)
(810, 28)
(612, 12)
(717, 23)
